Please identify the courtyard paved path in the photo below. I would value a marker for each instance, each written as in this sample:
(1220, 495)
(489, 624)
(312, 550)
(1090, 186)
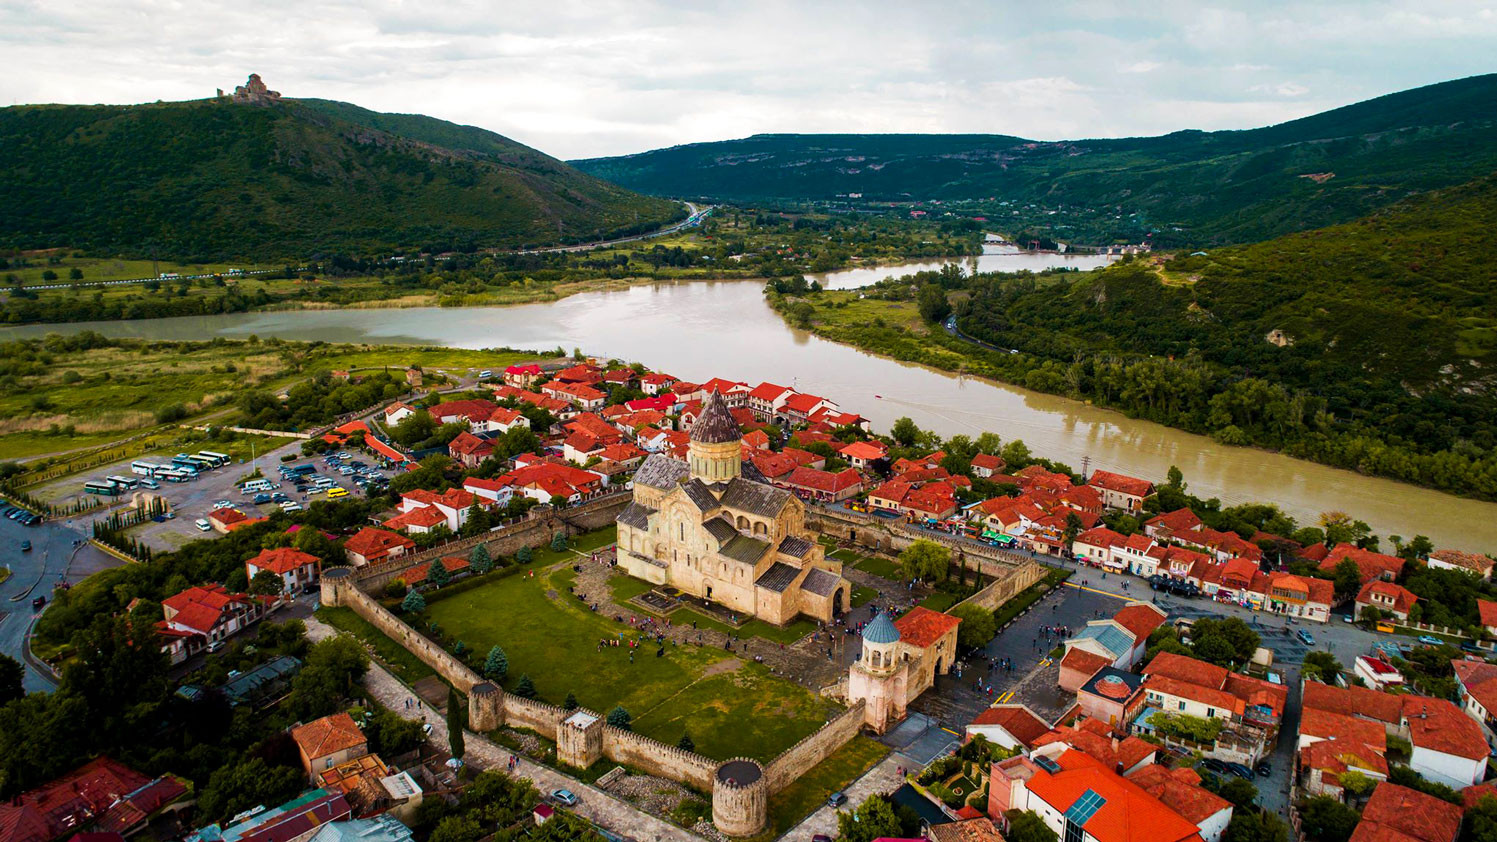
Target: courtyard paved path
(593, 803)
(880, 780)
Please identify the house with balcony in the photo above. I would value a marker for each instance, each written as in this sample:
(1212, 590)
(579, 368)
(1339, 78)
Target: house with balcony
(1246, 711)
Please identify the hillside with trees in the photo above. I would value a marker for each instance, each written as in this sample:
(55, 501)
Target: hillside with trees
(214, 180)
(1186, 187)
(1367, 345)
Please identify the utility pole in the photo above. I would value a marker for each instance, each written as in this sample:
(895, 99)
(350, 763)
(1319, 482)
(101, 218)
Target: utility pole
(1086, 462)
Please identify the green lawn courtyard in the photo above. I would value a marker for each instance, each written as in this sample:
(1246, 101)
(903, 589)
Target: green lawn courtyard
(729, 706)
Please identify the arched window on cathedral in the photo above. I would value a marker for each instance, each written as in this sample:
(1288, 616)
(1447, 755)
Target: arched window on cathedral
(743, 522)
(683, 530)
(877, 658)
(760, 528)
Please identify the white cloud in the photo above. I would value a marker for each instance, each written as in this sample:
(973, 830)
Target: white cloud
(614, 76)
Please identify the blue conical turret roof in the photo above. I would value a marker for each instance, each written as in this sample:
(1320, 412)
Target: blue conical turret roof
(880, 630)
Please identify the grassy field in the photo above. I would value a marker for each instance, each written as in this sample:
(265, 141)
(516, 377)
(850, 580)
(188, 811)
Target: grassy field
(940, 601)
(57, 401)
(400, 661)
(96, 269)
(810, 791)
(729, 707)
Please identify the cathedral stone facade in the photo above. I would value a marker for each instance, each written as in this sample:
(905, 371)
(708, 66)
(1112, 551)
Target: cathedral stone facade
(712, 528)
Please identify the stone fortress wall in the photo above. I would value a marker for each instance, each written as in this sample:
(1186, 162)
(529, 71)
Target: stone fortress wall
(739, 808)
(740, 787)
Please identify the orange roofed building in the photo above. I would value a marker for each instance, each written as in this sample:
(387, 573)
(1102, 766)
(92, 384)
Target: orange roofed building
(327, 742)
(1082, 799)
(372, 546)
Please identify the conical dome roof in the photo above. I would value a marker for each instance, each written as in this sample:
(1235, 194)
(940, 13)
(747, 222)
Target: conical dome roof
(880, 629)
(716, 424)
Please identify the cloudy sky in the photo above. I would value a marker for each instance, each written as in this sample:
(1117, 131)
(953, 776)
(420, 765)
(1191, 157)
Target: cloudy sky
(579, 79)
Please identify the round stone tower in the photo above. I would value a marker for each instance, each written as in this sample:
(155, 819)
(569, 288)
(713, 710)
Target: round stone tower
(716, 450)
(485, 707)
(335, 582)
(740, 797)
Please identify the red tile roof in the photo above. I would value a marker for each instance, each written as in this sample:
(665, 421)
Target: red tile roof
(767, 392)
(1183, 668)
(473, 410)
(1083, 661)
(1180, 790)
(1121, 483)
(922, 627)
(1020, 722)
(328, 735)
(103, 790)
(1180, 520)
(1371, 565)
(1407, 813)
(824, 481)
(1352, 701)
(1129, 813)
(1473, 562)
(1342, 728)
(426, 517)
(417, 574)
(1403, 599)
(1438, 725)
(1336, 756)
(1487, 609)
(375, 543)
(283, 560)
(988, 462)
(864, 450)
(467, 444)
(1140, 618)
(1480, 681)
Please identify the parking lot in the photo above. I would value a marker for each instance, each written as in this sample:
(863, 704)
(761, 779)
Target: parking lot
(193, 500)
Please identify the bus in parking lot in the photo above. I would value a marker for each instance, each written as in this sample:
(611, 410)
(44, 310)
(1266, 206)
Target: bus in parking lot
(101, 488)
(126, 483)
(218, 459)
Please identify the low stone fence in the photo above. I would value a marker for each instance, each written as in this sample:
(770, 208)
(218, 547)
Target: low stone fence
(252, 431)
(804, 755)
(1006, 587)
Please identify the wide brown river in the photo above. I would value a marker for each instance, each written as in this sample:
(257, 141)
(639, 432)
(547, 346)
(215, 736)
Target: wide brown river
(709, 329)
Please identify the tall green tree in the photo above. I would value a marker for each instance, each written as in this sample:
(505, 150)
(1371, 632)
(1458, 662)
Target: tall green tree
(1027, 826)
(620, 718)
(12, 676)
(925, 560)
(496, 665)
(455, 724)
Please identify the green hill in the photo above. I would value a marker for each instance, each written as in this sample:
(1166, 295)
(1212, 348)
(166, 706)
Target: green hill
(209, 179)
(1370, 345)
(1187, 187)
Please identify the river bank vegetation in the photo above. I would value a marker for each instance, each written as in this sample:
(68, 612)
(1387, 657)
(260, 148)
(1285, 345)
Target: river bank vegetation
(1364, 346)
(730, 244)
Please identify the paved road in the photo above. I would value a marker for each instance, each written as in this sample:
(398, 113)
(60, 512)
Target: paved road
(695, 216)
(54, 558)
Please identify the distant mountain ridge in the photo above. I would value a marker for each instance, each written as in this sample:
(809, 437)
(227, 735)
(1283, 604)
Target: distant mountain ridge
(1225, 186)
(213, 179)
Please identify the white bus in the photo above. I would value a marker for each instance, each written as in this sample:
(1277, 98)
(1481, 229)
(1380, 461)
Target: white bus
(183, 462)
(218, 459)
(145, 469)
(123, 482)
(103, 489)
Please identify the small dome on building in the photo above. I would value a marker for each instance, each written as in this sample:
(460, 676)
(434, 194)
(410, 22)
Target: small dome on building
(881, 630)
(716, 424)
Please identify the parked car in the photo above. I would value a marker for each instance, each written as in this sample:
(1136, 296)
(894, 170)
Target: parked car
(203, 525)
(1305, 636)
(1240, 770)
(564, 797)
(1212, 764)
(1263, 769)
(38, 603)
(223, 504)
(1430, 640)
(25, 546)
(836, 799)
(262, 498)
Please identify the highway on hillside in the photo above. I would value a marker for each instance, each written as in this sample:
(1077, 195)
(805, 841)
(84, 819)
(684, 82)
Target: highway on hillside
(697, 214)
(694, 218)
